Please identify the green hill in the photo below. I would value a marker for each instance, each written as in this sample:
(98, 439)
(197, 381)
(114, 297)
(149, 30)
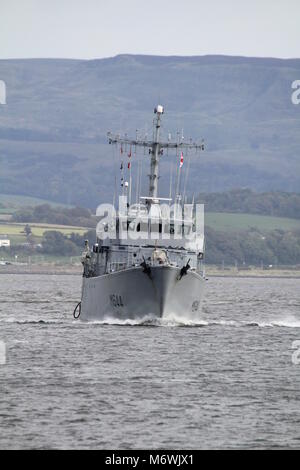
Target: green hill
(229, 222)
(10, 203)
(53, 128)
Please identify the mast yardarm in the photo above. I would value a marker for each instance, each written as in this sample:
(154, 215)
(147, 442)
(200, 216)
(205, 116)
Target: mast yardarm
(155, 149)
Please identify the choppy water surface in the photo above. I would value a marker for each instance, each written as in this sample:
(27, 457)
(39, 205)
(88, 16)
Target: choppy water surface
(227, 382)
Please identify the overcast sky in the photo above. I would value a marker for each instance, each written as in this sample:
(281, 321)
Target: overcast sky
(103, 28)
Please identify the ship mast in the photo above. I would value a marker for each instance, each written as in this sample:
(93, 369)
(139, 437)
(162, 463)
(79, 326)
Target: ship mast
(155, 149)
(155, 154)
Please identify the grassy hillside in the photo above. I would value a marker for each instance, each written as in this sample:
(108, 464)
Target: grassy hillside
(15, 232)
(245, 201)
(53, 128)
(11, 202)
(238, 222)
(234, 239)
(221, 221)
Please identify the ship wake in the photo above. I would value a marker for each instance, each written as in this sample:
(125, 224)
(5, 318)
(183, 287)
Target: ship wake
(176, 321)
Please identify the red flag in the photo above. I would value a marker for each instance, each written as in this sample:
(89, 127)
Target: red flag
(129, 165)
(181, 160)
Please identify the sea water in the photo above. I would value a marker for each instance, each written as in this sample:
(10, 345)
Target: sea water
(230, 380)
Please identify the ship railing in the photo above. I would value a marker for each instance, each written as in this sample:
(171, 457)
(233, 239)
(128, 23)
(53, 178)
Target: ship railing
(116, 266)
(176, 258)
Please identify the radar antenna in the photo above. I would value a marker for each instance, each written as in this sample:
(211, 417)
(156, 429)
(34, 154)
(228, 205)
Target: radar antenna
(155, 149)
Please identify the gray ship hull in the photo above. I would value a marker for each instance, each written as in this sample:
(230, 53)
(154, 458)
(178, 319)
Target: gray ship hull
(133, 294)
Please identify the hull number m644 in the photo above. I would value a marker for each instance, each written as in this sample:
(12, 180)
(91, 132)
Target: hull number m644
(116, 300)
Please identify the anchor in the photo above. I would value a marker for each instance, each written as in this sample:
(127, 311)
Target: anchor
(146, 268)
(184, 270)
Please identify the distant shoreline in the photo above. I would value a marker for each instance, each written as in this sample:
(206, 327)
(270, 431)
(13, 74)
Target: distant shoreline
(254, 273)
(41, 269)
(256, 276)
(211, 272)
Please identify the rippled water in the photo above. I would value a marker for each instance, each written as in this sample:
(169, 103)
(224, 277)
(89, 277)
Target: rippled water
(227, 382)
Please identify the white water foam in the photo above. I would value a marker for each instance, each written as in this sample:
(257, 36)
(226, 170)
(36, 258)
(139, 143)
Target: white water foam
(175, 321)
(289, 321)
(29, 321)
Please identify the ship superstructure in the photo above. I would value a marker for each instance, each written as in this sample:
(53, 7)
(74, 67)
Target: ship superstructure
(148, 258)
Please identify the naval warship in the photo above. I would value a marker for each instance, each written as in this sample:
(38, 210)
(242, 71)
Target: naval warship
(148, 259)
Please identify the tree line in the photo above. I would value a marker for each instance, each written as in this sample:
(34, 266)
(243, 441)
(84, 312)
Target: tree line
(247, 248)
(246, 201)
(251, 247)
(44, 213)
